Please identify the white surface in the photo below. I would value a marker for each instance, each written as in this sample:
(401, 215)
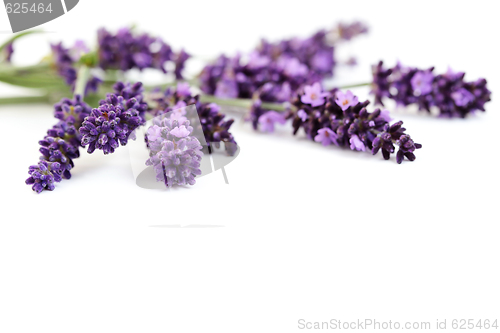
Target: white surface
(301, 232)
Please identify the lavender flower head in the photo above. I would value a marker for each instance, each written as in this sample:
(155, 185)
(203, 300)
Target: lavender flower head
(44, 176)
(313, 95)
(65, 61)
(273, 72)
(60, 146)
(344, 121)
(174, 153)
(448, 92)
(126, 50)
(326, 136)
(115, 120)
(269, 119)
(208, 119)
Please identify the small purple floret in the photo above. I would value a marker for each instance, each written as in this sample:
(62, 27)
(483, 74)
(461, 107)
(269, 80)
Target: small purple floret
(314, 95)
(326, 136)
(346, 100)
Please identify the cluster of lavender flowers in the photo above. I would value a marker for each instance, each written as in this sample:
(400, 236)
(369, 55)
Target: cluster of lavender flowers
(115, 120)
(274, 71)
(125, 51)
(338, 118)
(452, 96)
(65, 60)
(174, 153)
(208, 118)
(79, 125)
(60, 146)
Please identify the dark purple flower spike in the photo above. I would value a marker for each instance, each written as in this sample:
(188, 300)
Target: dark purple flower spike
(79, 125)
(116, 118)
(126, 50)
(274, 71)
(60, 146)
(338, 118)
(448, 92)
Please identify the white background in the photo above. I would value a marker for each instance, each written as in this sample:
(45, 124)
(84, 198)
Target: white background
(301, 231)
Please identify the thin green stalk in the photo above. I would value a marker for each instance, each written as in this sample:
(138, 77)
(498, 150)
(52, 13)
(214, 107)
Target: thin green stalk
(241, 102)
(192, 83)
(28, 82)
(82, 80)
(24, 100)
(43, 67)
(355, 85)
(19, 35)
(236, 102)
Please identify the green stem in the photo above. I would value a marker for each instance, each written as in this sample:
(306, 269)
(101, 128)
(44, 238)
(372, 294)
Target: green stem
(33, 82)
(82, 80)
(22, 34)
(236, 102)
(24, 100)
(241, 103)
(355, 85)
(192, 83)
(14, 70)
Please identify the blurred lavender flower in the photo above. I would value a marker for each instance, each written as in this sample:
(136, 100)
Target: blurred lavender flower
(7, 53)
(326, 136)
(268, 119)
(349, 124)
(346, 100)
(448, 92)
(60, 146)
(115, 120)
(126, 50)
(275, 71)
(180, 62)
(356, 143)
(208, 119)
(302, 115)
(313, 95)
(65, 61)
(174, 153)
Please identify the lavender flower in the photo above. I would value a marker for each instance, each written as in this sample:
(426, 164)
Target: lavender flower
(208, 120)
(43, 176)
(350, 125)
(313, 95)
(345, 100)
(60, 146)
(275, 71)
(115, 120)
(126, 50)
(302, 115)
(65, 62)
(174, 153)
(326, 136)
(356, 143)
(448, 92)
(421, 82)
(180, 62)
(268, 119)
